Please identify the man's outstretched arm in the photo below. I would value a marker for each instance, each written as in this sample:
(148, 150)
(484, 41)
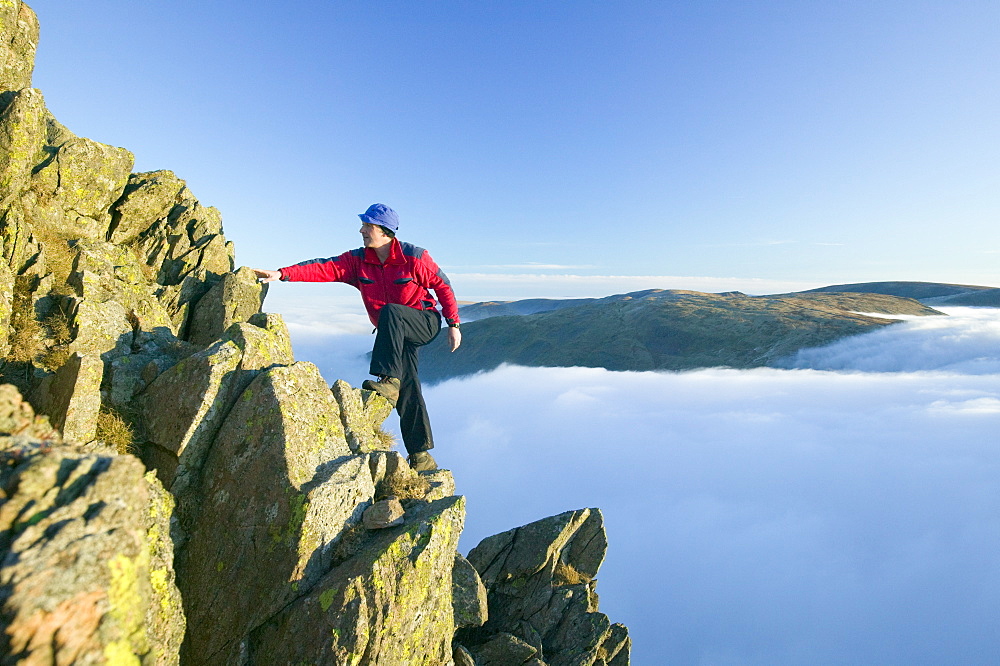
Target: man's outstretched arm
(265, 275)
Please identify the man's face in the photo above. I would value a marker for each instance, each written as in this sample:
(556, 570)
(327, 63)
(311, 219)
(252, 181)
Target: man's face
(373, 235)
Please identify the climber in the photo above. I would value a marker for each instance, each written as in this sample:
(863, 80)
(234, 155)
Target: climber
(394, 279)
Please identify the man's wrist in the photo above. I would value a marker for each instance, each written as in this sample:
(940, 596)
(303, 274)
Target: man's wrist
(453, 324)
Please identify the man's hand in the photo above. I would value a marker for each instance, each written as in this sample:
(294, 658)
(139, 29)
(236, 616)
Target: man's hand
(454, 337)
(266, 275)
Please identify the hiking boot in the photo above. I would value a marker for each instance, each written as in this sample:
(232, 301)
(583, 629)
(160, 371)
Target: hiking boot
(421, 461)
(387, 387)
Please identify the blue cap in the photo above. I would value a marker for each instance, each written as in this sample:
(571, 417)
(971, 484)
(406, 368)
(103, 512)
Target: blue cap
(381, 215)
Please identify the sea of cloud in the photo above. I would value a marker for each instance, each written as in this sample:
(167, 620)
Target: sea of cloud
(844, 510)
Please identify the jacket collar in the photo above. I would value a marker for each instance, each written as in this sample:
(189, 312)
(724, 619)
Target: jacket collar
(395, 254)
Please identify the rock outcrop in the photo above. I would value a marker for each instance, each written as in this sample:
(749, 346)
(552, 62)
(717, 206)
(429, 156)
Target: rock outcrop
(541, 590)
(87, 571)
(174, 487)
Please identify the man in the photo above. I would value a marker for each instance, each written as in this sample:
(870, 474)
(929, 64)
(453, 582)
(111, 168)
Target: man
(394, 279)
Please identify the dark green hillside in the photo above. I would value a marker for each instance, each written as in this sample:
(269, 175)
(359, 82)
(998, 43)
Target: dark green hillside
(675, 330)
(984, 298)
(918, 290)
(475, 311)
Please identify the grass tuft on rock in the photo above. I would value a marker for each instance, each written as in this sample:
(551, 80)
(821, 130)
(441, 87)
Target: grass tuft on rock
(404, 488)
(57, 326)
(114, 430)
(26, 332)
(386, 438)
(59, 258)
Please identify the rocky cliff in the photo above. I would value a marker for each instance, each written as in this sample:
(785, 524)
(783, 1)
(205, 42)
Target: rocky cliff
(176, 489)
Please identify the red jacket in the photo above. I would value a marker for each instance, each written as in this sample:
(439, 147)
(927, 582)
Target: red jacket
(404, 278)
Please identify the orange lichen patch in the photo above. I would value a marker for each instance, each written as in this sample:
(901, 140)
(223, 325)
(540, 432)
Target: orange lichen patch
(62, 636)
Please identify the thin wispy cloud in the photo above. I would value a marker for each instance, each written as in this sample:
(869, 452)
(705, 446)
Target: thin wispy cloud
(770, 243)
(525, 266)
(482, 286)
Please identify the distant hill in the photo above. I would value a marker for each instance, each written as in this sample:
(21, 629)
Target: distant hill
(989, 298)
(934, 293)
(662, 330)
(475, 311)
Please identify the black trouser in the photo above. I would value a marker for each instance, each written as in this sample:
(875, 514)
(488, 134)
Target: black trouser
(401, 331)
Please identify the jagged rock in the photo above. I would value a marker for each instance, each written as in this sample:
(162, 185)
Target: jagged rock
(504, 649)
(74, 398)
(76, 186)
(615, 649)
(22, 139)
(541, 589)
(393, 477)
(377, 409)
(236, 298)
(264, 341)
(6, 305)
(147, 197)
(441, 481)
(177, 298)
(384, 513)
(468, 594)
(184, 407)
(20, 427)
(103, 271)
(279, 476)
(18, 41)
(383, 605)
(359, 415)
(461, 656)
(128, 375)
(86, 556)
(101, 328)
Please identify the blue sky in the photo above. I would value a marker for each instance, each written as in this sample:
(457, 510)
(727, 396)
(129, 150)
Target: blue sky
(774, 145)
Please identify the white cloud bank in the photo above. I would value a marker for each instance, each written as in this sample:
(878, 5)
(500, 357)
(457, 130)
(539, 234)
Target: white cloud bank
(802, 516)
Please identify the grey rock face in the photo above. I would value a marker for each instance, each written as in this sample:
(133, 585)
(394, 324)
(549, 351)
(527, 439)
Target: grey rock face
(462, 657)
(86, 558)
(186, 404)
(362, 412)
(18, 41)
(503, 649)
(279, 475)
(381, 605)
(22, 139)
(75, 397)
(147, 197)
(541, 591)
(74, 189)
(236, 298)
(468, 594)
(384, 513)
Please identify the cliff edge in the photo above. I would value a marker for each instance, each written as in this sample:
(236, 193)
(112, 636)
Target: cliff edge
(176, 489)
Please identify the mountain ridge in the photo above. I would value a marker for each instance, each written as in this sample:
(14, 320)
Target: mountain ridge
(665, 330)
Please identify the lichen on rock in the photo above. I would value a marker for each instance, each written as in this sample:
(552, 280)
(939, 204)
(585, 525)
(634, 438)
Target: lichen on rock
(85, 569)
(541, 592)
